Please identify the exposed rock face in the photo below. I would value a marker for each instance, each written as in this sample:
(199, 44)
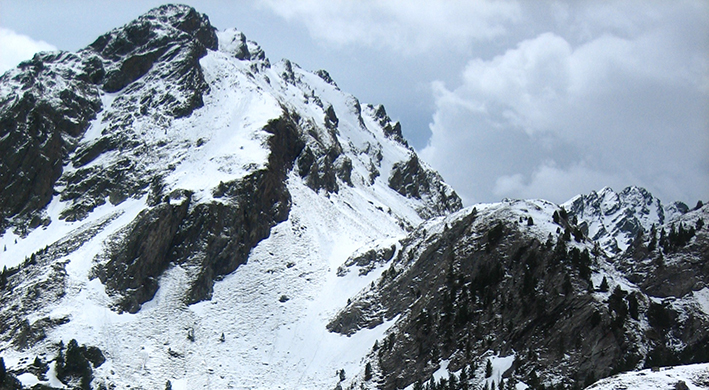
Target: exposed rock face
(58, 94)
(140, 254)
(41, 120)
(217, 237)
(22, 289)
(411, 179)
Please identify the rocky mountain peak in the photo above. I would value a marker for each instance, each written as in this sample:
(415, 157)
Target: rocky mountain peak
(161, 35)
(50, 101)
(234, 42)
(615, 218)
(169, 158)
(156, 27)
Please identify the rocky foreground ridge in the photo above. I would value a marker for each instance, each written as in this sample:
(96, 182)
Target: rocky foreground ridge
(176, 211)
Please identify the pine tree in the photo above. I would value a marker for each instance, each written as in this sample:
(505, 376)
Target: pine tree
(660, 260)
(653, 240)
(472, 369)
(368, 371)
(488, 369)
(595, 319)
(3, 373)
(567, 235)
(567, 286)
(533, 380)
(604, 285)
(452, 381)
(464, 379)
(633, 306)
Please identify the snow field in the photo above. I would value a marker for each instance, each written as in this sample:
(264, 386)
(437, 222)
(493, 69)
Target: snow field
(695, 376)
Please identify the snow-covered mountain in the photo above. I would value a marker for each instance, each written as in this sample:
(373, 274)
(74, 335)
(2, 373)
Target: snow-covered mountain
(158, 160)
(178, 212)
(615, 219)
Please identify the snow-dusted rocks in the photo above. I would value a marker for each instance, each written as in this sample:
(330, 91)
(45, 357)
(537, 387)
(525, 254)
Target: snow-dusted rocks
(614, 219)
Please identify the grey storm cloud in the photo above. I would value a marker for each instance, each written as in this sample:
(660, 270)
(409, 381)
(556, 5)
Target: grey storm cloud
(555, 116)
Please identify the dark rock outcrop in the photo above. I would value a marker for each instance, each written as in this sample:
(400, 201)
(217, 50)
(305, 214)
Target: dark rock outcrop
(219, 236)
(391, 130)
(321, 162)
(213, 237)
(412, 180)
(140, 258)
(40, 125)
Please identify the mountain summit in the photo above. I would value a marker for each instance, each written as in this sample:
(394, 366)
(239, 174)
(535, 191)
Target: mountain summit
(178, 212)
(143, 170)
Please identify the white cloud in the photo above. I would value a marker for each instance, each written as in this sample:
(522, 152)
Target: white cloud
(407, 26)
(625, 105)
(557, 183)
(517, 87)
(16, 48)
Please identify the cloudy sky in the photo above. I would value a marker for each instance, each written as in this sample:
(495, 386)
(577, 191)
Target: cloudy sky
(518, 99)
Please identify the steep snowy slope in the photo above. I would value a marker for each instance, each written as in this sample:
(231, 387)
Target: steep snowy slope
(196, 204)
